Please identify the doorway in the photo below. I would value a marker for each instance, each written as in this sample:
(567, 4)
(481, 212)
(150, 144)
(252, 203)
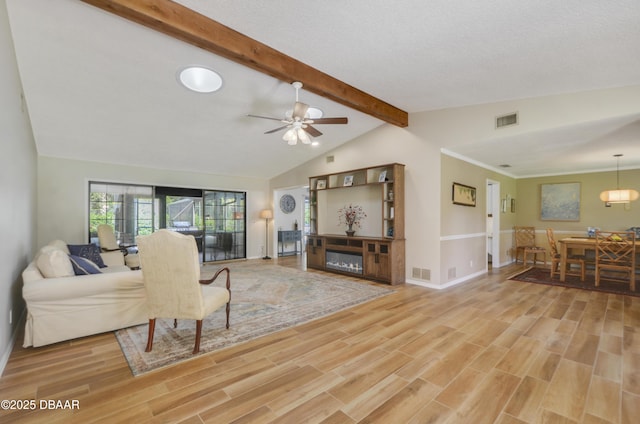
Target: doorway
(493, 224)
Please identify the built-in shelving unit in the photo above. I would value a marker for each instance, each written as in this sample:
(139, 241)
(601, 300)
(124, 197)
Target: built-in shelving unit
(377, 252)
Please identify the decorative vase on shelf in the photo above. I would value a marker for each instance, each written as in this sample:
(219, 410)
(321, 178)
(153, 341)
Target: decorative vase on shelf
(351, 216)
(350, 232)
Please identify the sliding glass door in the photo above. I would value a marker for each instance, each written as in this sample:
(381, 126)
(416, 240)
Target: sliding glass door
(215, 218)
(180, 210)
(224, 225)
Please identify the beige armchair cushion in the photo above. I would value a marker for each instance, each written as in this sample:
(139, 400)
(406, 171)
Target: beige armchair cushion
(171, 271)
(60, 245)
(107, 237)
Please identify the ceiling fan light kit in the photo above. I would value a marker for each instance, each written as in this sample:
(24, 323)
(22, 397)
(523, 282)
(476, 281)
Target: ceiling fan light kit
(295, 134)
(298, 122)
(619, 195)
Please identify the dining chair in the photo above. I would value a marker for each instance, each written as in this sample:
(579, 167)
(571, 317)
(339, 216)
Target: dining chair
(171, 272)
(525, 238)
(616, 255)
(556, 259)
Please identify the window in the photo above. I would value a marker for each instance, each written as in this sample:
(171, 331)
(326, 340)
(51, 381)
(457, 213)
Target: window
(127, 208)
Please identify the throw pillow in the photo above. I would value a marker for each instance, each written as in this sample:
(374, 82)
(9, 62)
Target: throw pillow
(54, 263)
(60, 245)
(87, 251)
(82, 266)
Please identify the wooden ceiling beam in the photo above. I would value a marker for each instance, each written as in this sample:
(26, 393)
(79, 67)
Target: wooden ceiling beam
(189, 26)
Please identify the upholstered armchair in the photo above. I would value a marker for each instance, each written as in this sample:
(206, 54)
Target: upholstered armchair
(171, 271)
(108, 243)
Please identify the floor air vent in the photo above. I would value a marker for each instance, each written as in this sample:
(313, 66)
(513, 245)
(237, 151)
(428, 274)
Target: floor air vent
(507, 120)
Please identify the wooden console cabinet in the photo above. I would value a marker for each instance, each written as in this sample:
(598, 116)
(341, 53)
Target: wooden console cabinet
(380, 256)
(315, 252)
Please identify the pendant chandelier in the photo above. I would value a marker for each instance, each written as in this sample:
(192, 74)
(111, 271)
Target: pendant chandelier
(618, 195)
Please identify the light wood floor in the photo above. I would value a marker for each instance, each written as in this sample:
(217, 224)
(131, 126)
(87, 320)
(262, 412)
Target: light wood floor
(489, 350)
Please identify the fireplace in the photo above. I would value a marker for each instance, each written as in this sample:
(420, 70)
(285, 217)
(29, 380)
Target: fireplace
(344, 262)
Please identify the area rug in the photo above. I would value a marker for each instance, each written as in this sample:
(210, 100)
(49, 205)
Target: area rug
(541, 276)
(265, 298)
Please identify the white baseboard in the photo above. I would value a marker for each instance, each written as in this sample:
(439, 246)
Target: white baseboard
(4, 359)
(447, 284)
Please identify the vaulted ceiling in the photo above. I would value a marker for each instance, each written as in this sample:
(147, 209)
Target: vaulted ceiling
(101, 87)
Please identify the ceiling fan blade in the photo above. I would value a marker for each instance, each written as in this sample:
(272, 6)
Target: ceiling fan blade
(300, 110)
(331, 121)
(265, 117)
(277, 129)
(312, 131)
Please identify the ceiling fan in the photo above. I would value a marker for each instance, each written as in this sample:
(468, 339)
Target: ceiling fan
(299, 123)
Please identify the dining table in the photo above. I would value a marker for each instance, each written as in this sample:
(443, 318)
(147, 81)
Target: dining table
(568, 243)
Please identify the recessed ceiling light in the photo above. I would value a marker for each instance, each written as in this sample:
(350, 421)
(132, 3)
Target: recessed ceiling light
(200, 79)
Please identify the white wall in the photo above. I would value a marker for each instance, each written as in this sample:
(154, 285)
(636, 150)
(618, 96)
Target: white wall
(286, 221)
(63, 195)
(331, 201)
(17, 190)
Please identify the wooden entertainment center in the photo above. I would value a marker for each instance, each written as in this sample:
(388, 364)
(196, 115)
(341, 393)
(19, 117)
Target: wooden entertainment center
(377, 251)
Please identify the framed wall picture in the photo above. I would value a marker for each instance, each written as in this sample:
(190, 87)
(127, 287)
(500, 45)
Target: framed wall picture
(560, 202)
(383, 176)
(463, 195)
(322, 184)
(348, 181)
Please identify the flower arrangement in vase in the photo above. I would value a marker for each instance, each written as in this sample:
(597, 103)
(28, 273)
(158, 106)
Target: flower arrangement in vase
(351, 216)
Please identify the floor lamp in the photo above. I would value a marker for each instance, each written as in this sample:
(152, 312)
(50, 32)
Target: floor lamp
(266, 214)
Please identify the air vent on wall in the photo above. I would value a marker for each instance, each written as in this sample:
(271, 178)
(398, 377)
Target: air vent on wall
(507, 120)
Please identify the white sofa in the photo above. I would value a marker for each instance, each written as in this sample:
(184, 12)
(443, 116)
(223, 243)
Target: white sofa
(63, 306)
